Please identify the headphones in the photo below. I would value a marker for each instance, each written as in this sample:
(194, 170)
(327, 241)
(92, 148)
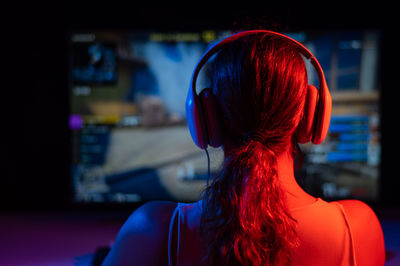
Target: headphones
(202, 112)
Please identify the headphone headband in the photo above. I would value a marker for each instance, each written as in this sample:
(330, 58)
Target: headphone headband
(218, 46)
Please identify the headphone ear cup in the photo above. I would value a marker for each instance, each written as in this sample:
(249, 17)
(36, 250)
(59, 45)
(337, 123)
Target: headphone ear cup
(305, 129)
(323, 115)
(195, 120)
(211, 117)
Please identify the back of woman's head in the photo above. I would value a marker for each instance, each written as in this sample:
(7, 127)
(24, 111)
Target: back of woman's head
(260, 84)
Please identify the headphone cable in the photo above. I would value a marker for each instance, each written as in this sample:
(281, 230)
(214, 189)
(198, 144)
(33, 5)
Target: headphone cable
(208, 166)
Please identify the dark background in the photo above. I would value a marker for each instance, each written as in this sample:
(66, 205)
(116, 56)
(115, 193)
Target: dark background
(34, 92)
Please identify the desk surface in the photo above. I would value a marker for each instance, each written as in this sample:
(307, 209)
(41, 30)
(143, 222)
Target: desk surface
(55, 238)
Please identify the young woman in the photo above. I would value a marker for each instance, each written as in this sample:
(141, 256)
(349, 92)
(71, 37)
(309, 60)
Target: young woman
(254, 212)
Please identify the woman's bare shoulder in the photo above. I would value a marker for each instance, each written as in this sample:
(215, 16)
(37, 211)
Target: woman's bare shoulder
(360, 215)
(143, 239)
(153, 213)
(367, 232)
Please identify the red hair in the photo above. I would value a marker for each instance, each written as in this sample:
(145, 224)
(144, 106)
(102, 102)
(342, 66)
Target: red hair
(260, 83)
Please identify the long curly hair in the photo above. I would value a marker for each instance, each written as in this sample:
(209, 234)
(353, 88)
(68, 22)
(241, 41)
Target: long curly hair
(260, 84)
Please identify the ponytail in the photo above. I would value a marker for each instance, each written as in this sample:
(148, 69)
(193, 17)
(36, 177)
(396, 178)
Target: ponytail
(244, 216)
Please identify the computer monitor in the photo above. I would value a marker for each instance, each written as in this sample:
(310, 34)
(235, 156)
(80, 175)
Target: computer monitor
(130, 141)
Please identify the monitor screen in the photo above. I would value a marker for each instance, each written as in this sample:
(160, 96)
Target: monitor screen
(130, 141)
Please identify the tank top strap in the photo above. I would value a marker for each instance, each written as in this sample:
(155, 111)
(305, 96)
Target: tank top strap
(353, 255)
(175, 214)
(184, 227)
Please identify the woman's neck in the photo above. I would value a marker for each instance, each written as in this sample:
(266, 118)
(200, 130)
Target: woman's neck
(295, 195)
